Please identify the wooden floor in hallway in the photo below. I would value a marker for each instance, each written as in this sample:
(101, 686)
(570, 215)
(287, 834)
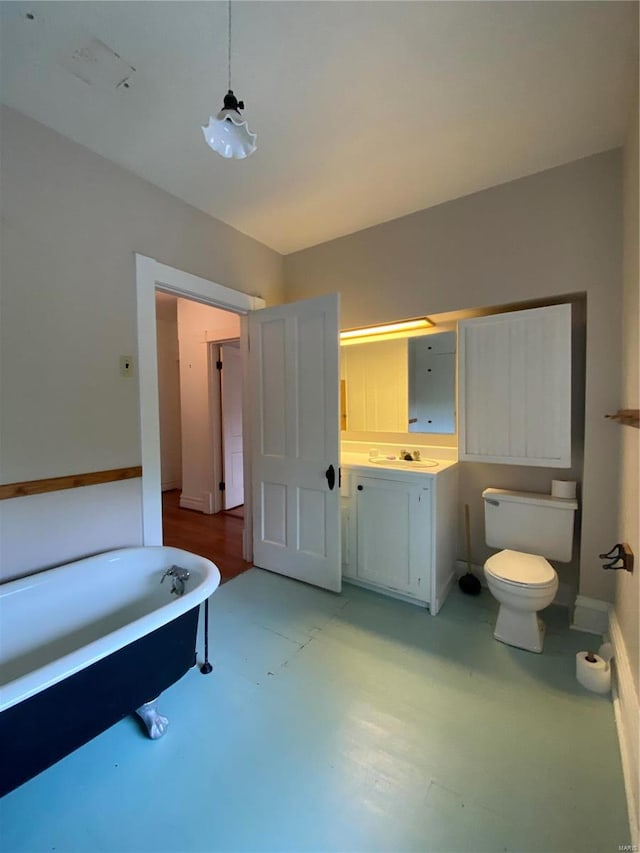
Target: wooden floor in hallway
(217, 537)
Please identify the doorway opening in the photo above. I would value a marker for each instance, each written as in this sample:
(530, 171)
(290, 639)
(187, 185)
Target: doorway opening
(201, 437)
(152, 277)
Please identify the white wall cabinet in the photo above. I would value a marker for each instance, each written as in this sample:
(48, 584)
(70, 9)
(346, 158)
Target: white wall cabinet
(514, 388)
(390, 539)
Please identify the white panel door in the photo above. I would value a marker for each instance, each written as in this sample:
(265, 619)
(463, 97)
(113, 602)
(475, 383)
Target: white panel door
(295, 432)
(231, 405)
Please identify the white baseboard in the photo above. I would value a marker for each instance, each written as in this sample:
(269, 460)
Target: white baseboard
(169, 485)
(205, 503)
(591, 615)
(564, 596)
(627, 713)
(191, 502)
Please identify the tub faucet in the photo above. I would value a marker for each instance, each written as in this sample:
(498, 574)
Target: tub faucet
(178, 577)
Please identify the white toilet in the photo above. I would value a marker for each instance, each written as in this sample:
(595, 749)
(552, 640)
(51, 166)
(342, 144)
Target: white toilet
(529, 527)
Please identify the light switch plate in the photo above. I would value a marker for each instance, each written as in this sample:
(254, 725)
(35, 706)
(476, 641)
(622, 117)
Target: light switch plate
(126, 365)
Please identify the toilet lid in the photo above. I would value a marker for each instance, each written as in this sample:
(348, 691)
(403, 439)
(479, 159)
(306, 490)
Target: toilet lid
(516, 567)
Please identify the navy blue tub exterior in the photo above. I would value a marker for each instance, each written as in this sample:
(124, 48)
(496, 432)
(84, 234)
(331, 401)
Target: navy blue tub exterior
(41, 730)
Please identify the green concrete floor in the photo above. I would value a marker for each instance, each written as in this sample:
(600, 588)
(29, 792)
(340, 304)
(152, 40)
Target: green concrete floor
(347, 723)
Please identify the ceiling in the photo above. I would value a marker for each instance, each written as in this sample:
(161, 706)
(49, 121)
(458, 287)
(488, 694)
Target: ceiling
(365, 111)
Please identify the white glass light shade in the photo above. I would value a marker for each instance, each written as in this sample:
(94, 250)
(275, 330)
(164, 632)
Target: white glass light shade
(229, 135)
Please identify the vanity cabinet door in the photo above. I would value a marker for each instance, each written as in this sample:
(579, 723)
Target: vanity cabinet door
(515, 387)
(393, 535)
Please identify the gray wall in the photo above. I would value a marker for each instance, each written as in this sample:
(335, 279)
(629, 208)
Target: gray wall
(551, 234)
(71, 222)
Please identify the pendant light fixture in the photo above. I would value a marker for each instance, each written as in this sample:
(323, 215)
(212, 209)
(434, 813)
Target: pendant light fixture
(228, 134)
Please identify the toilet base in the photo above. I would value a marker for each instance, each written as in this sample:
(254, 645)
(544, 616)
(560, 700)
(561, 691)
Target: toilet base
(520, 628)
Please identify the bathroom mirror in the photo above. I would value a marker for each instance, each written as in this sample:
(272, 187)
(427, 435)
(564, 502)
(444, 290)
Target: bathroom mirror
(399, 385)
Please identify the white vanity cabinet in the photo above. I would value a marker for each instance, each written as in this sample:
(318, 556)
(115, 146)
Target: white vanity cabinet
(514, 388)
(399, 530)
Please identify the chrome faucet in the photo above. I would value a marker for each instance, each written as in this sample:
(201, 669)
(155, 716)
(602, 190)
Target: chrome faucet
(178, 578)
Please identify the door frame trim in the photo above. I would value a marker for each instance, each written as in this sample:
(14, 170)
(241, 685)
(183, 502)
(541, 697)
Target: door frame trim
(151, 275)
(215, 401)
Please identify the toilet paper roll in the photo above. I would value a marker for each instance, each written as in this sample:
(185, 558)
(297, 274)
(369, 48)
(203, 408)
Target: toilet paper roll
(563, 489)
(594, 675)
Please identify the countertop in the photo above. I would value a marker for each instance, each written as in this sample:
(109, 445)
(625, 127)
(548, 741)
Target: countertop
(362, 461)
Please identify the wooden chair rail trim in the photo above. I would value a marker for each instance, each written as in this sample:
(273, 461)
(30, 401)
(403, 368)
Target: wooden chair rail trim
(71, 481)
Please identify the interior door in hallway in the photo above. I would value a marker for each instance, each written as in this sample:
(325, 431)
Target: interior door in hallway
(231, 408)
(295, 432)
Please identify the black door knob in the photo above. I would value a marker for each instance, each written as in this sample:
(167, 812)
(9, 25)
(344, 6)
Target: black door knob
(360, 488)
(330, 474)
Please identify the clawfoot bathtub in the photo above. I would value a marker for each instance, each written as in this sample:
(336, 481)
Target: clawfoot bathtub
(106, 627)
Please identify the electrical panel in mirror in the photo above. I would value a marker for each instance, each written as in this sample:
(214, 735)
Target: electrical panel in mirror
(400, 384)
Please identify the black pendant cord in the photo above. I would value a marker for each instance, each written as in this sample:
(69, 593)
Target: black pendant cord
(206, 667)
(229, 49)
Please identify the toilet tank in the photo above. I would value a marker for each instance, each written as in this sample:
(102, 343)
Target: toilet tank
(529, 522)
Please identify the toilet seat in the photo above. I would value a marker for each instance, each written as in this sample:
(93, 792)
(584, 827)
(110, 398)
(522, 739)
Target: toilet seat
(520, 569)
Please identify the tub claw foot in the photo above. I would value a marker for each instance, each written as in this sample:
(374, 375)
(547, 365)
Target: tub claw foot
(156, 724)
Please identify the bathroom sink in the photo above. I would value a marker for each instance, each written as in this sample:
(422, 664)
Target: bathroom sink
(404, 463)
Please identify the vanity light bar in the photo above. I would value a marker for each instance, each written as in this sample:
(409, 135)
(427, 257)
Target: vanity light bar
(402, 326)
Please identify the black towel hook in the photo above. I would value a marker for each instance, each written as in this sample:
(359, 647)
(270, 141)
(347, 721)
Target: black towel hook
(620, 557)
